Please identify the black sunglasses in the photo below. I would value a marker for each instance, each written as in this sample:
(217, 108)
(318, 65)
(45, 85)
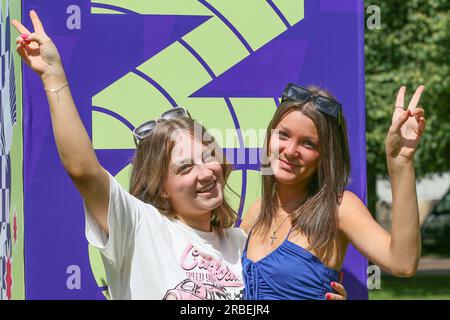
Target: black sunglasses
(323, 104)
(144, 130)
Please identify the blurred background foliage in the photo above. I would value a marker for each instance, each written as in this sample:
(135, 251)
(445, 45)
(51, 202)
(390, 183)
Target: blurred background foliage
(411, 48)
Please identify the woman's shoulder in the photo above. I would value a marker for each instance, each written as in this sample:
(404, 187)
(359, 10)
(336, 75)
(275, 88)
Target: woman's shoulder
(236, 232)
(236, 237)
(348, 197)
(349, 205)
(251, 216)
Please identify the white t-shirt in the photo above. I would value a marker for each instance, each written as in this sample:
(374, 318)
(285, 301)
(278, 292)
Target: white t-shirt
(150, 256)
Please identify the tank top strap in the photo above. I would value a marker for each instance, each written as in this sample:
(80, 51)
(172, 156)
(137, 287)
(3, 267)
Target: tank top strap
(250, 233)
(289, 233)
(248, 239)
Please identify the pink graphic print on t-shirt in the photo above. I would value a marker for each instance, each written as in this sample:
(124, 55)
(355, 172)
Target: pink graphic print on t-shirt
(207, 278)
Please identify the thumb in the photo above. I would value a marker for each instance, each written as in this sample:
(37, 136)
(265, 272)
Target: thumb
(400, 121)
(39, 38)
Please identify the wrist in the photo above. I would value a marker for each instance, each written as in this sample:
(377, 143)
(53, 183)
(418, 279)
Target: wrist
(400, 165)
(54, 76)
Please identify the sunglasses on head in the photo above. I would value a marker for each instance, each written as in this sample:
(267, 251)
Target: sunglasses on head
(144, 130)
(323, 104)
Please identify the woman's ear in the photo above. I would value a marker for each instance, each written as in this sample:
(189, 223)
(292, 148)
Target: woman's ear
(164, 194)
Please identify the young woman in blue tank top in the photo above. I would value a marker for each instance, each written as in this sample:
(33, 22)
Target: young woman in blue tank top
(300, 228)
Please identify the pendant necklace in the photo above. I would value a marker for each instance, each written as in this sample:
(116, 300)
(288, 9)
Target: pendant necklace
(274, 234)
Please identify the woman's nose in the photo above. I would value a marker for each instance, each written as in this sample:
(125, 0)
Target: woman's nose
(291, 150)
(205, 173)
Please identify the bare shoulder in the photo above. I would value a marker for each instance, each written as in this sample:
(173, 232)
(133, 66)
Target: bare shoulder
(349, 197)
(350, 207)
(251, 216)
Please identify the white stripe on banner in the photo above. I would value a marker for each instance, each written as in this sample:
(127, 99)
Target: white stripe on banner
(4, 172)
(6, 205)
(2, 207)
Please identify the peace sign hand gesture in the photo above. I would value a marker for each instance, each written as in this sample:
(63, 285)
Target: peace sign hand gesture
(37, 49)
(406, 129)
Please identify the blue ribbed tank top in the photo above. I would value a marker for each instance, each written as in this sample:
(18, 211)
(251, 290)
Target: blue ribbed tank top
(288, 273)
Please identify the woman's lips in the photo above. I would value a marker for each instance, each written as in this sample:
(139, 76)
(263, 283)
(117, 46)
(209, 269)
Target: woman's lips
(211, 188)
(288, 165)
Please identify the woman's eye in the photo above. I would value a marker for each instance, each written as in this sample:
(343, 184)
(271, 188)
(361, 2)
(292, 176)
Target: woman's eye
(184, 169)
(282, 135)
(309, 144)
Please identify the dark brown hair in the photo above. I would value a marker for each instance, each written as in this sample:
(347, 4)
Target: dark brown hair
(317, 216)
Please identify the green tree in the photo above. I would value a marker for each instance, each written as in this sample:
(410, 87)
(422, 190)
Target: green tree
(411, 48)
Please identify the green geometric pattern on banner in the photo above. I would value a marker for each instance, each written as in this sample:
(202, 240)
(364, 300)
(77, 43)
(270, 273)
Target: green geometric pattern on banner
(122, 138)
(253, 113)
(255, 20)
(104, 11)
(98, 270)
(253, 188)
(235, 183)
(179, 72)
(124, 176)
(16, 156)
(293, 11)
(168, 7)
(213, 113)
(151, 102)
(211, 39)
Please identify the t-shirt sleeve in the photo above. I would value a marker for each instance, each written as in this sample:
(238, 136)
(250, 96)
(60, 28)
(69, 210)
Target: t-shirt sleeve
(124, 216)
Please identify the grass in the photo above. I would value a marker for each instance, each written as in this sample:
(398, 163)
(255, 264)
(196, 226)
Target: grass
(419, 287)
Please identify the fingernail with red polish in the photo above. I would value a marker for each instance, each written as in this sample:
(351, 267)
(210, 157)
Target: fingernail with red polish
(328, 296)
(24, 36)
(333, 284)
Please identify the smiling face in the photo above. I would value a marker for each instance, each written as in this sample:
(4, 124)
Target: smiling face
(307, 160)
(194, 181)
(294, 149)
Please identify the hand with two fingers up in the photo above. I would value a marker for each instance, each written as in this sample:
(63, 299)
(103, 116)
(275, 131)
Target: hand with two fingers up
(406, 129)
(36, 48)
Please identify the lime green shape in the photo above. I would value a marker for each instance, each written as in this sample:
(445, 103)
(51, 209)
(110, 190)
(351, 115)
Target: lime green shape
(16, 154)
(172, 7)
(254, 115)
(252, 192)
(255, 20)
(292, 10)
(124, 176)
(214, 115)
(98, 269)
(254, 180)
(235, 183)
(133, 98)
(110, 133)
(177, 71)
(104, 11)
(211, 40)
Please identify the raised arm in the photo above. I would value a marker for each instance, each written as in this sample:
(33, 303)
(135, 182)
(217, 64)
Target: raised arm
(74, 146)
(399, 251)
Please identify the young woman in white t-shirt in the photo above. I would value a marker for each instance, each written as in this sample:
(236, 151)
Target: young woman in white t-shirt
(172, 235)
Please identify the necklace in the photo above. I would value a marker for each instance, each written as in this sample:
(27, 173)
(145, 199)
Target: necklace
(274, 234)
(292, 204)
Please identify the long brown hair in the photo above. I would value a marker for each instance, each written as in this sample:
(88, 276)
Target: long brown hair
(151, 164)
(317, 216)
